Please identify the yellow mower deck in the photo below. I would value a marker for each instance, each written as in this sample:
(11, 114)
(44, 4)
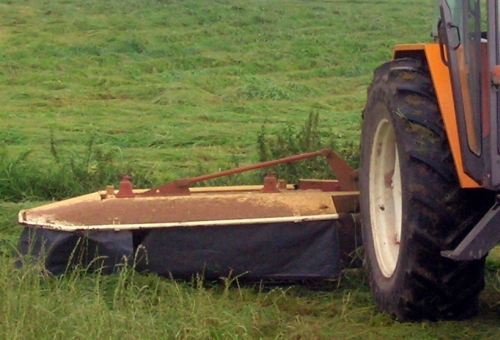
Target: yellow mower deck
(209, 206)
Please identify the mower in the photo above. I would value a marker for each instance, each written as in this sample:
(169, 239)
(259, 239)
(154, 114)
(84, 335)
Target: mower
(273, 231)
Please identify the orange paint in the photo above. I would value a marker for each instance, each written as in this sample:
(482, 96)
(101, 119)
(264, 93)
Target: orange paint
(442, 87)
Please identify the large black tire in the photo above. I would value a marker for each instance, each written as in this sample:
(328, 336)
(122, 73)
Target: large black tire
(412, 206)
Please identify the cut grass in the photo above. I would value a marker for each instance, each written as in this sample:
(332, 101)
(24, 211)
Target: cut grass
(187, 77)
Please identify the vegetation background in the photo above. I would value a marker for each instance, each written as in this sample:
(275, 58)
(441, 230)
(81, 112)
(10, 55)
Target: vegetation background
(164, 89)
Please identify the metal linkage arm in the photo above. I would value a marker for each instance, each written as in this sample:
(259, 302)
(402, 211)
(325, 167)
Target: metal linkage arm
(341, 169)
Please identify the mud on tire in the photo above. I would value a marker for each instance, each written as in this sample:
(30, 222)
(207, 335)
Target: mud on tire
(412, 206)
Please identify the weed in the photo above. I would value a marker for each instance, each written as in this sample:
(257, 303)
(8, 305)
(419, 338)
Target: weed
(292, 141)
(68, 174)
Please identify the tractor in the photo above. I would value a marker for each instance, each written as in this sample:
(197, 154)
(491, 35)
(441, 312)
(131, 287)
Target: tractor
(429, 167)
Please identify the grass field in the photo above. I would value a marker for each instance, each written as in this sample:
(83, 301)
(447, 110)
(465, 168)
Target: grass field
(167, 85)
(167, 89)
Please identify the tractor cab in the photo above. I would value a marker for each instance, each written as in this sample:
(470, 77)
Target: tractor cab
(468, 33)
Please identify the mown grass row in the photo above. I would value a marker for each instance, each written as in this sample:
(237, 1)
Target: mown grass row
(174, 82)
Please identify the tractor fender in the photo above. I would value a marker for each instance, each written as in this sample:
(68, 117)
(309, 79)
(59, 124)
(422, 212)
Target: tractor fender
(442, 86)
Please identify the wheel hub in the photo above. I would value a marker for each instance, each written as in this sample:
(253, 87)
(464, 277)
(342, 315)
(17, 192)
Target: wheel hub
(385, 198)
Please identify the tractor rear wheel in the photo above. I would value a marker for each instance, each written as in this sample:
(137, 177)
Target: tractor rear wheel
(412, 206)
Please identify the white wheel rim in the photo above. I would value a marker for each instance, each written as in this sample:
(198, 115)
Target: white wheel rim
(385, 198)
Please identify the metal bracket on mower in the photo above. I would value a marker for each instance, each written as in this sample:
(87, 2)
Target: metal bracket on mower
(346, 176)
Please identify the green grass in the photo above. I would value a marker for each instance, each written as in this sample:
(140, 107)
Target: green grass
(173, 82)
(128, 305)
(167, 89)
(68, 174)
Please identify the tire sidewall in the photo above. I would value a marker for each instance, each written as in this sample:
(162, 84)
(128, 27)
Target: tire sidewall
(386, 290)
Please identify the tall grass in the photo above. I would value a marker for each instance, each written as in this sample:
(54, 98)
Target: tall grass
(127, 305)
(66, 174)
(79, 304)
